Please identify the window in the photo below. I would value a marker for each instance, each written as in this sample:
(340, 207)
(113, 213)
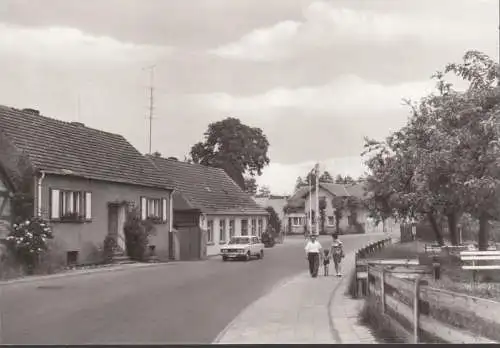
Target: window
(154, 209)
(210, 231)
(70, 206)
(297, 221)
(261, 227)
(244, 227)
(222, 230)
(331, 221)
(72, 258)
(231, 228)
(254, 227)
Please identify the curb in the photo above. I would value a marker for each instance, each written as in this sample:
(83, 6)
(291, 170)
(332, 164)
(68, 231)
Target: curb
(29, 279)
(240, 314)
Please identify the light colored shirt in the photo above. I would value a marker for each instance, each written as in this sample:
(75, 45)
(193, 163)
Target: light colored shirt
(336, 247)
(313, 247)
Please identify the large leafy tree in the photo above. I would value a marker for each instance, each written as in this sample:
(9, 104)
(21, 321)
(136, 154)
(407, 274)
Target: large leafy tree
(250, 185)
(235, 147)
(444, 162)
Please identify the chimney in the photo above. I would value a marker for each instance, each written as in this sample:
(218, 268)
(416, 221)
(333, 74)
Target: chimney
(31, 111)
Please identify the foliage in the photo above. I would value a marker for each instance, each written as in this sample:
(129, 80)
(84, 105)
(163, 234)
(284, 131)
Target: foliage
(28, 240)
(109, 248)
(264, 191)
(339, 179)
(299, 183)
(234, 147)
(137, 232)
(274, 220)
(444, 161)
(322, 214)
(326, 177)
(250, 185)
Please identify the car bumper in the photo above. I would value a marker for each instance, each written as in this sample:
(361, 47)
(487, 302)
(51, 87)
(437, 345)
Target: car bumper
(233, 255)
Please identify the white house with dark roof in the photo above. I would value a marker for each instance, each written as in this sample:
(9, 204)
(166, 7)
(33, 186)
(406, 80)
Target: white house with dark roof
(224, 209)
(84, 181)
(351, 221)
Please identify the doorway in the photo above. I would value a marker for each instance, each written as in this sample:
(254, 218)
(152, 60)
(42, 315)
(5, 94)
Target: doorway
(116, 224)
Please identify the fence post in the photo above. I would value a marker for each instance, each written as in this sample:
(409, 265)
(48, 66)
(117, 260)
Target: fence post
(416, 310)
(382, 289)
(356, 274)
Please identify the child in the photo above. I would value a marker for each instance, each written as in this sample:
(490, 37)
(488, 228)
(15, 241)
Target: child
(337, 251)
(326, 261)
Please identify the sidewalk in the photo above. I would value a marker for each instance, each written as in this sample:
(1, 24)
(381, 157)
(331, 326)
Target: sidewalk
(302, 310)
(74, 273)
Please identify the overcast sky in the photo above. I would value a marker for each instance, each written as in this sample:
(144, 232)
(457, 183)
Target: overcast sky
(316, 76)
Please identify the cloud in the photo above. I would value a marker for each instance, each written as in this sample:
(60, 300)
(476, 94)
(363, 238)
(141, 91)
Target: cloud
(343, 97)
(281, 178)
(63, 44)
(325, 25)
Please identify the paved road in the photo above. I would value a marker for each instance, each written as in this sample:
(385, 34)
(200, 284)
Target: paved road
(188, 302)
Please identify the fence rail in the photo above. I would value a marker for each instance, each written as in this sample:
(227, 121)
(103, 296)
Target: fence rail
(413, 302)
(361, 270)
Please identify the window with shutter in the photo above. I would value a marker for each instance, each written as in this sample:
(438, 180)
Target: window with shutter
(164, 208)
(88, 206)
(144, 208)
(54, 205)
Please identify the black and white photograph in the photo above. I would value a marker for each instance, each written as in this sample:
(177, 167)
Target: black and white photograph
(249, 172)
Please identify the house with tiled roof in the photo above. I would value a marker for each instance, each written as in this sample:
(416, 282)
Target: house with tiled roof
(223, 209)
(84, 181)
(304, 199)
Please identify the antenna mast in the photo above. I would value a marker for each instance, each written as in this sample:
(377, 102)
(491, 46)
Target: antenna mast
(151, 103)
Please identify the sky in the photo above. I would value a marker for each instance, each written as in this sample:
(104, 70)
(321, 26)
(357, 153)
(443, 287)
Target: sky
(316, 75)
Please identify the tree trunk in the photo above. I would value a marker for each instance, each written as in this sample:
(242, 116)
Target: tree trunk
(452, 227)
(484, 229)
(435, 228)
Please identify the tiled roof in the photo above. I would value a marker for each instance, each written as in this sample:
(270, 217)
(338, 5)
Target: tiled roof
(356, 190)
(66, 148)
(206, 188)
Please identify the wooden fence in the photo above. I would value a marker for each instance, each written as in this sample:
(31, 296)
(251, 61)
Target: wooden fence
(417, 309)
(360, 272)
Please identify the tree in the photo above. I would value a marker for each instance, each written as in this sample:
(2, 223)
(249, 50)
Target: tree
(234, 147)
(444, 161)
(274, 220)
(299, 183)
(326, 177)
(250, 185)
(339, 179)
(322, 214)
(264, 191)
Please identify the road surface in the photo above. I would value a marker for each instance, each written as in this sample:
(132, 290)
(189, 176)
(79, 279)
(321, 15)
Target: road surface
(189, 302)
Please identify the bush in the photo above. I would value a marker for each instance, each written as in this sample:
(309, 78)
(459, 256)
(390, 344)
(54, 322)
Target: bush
(109, 247)
(28, 241)
(137, 234)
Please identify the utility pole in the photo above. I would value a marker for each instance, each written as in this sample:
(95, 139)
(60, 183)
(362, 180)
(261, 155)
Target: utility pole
(151, 104)
(310, 202)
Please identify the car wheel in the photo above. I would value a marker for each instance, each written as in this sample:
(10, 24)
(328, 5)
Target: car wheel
(224, 258)
(248, 256)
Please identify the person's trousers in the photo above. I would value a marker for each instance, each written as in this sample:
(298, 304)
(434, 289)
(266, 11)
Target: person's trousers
(313, 263)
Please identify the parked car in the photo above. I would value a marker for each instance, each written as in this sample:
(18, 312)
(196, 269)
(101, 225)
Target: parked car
(243, 247)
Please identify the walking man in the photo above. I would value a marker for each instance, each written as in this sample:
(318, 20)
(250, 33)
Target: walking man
(313, 249)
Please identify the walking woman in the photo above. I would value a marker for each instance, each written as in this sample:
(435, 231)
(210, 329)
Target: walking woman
(337, 252)
(313, 249)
